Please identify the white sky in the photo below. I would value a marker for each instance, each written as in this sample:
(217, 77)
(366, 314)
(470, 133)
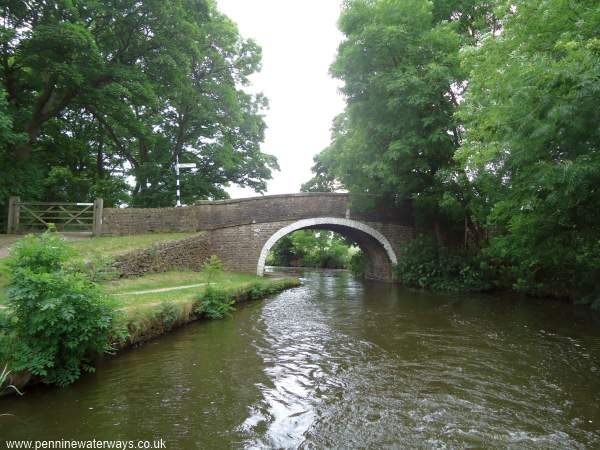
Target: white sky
(299, 39)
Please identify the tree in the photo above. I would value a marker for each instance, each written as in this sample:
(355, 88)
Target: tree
(110, 91)
(311, 248)
(402, 81)
(532, 144)
(323, 180)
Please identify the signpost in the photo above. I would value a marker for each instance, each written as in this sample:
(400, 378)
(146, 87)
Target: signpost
(177, 167)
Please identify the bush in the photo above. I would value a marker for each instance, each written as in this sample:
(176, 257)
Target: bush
(212, 267)
(168, 313)
(424, 264)
(359, 264)
(5, 334)
(59, 317)
(214, 304)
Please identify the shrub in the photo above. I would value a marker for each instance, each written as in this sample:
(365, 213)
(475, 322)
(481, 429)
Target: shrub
(256, 292)
(38, 254)
(168, 313)
(59, 317)
(212, 267)
(424, 264)
(5, 335)
(359, 264)
(214, 304)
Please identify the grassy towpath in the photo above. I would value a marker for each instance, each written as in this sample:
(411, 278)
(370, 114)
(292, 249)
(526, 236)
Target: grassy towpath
(154, 304)
(89, 247)
(178, 286)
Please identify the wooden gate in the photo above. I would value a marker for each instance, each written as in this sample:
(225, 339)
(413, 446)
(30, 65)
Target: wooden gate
(26, 217)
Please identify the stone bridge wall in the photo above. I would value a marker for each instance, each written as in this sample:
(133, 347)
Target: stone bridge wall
(237, 230)
(212, 215)
(239, 247)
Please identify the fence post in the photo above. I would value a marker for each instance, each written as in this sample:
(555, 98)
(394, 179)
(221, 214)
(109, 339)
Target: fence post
(13, 215)
(98, 211)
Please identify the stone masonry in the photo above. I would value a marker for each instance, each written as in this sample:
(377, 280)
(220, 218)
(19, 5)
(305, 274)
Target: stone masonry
(239, 231)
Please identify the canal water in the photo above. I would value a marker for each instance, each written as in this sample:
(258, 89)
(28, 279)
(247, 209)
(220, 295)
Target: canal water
(342, 363)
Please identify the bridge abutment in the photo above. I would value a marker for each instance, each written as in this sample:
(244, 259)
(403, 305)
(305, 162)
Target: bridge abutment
(241, 232)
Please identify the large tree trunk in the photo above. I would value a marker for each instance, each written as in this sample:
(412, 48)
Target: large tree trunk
(49, 105)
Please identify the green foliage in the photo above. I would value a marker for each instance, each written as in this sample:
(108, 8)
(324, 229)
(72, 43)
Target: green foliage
(484, 114)
(323, 181)
(5, 335)
(212, 267)
(93, 94)
(402, 79)
(46, 253)
(308, 248)
(359, 264)
(424, 264)
(168, 313)
(214, 303)
(283, 252)
(58, 317)
(532, 145)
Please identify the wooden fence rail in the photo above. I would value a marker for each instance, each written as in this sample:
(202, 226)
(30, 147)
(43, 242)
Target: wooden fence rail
(36, 216)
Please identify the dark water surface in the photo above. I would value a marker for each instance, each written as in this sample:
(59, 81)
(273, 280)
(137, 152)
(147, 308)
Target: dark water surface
(340, 363)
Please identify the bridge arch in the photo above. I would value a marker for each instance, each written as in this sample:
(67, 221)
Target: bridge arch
(375, 245)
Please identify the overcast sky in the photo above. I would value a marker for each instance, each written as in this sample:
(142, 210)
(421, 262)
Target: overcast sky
(299, 39)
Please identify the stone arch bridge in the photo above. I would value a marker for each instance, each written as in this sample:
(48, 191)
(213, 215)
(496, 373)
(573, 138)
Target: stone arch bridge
(242, 232)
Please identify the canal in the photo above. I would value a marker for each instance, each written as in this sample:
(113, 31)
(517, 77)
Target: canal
(342, 363)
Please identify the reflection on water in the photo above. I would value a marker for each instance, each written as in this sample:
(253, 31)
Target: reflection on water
(340, 363)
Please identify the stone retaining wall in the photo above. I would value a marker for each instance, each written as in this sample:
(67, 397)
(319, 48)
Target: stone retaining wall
(187, 253)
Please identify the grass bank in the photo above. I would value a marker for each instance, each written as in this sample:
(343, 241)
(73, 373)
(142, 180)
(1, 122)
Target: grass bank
(98, 247)
(145, 315)
(111, 246)
(81, 318)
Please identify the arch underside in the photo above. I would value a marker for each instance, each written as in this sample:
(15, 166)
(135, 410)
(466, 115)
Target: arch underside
(375, 246)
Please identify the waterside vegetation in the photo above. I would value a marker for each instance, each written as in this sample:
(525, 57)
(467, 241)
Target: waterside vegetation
(57, 320)
(309, 248)
(484, 115)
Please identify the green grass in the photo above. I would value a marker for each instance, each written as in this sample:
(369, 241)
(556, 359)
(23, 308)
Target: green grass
(104, 246)
(148, 315)
(118, 245)
(155, 281)
(225, 280)
(110, 245)
(142, 317)
(4, 278)
(172, 279)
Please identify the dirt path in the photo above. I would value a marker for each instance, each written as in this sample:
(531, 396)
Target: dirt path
(6, 240)
(154, 291)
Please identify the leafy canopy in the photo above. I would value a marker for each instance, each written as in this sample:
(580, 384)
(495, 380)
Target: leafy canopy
(97, 93)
